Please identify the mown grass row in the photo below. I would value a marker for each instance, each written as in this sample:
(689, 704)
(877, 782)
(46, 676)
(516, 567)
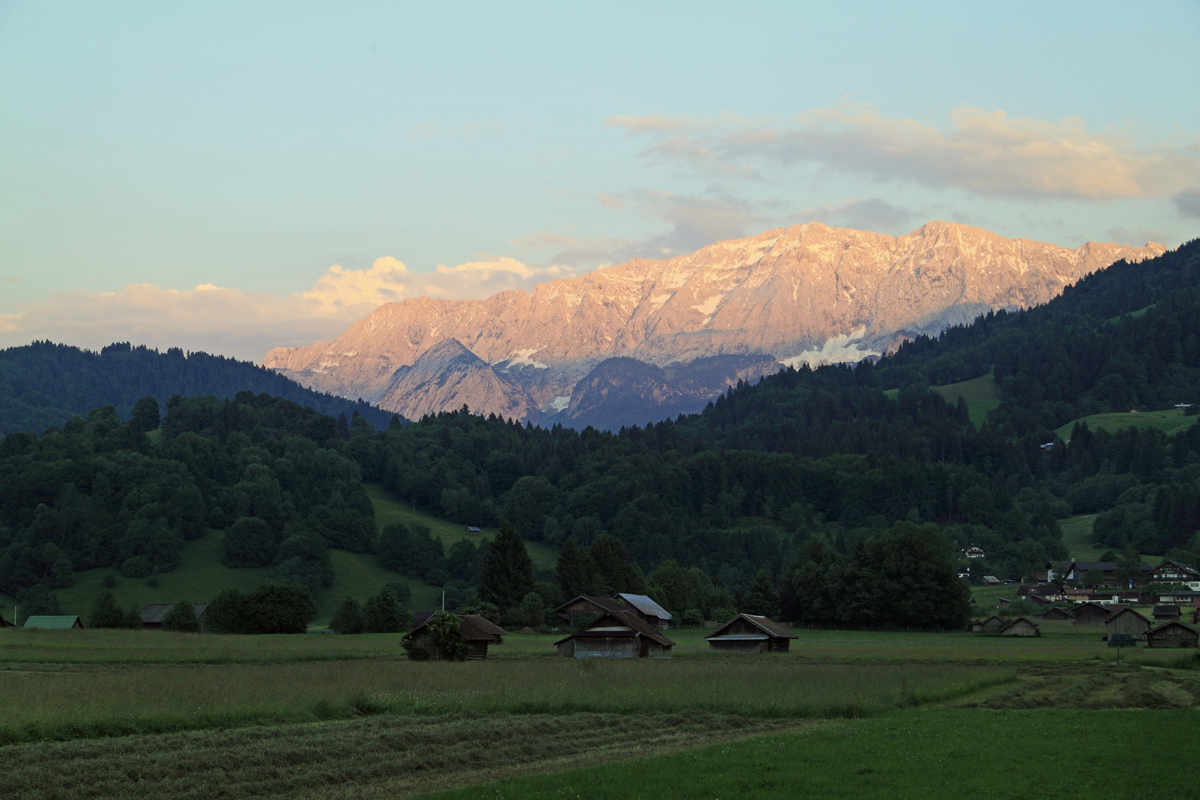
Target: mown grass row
(382, 756)
(917, 754)
(59, 705)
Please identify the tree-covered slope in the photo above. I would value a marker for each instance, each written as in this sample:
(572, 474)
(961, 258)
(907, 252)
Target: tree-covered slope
(44, 384)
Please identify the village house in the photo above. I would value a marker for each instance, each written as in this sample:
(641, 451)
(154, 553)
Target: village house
(584, 608)
(616, 634)
(646, 608)
(1090, 614)
(1021, 626)
(973, 552)
(474, 629)
(1174, 572)
(749, 633)
(1127, 621)
(152, 615)
(1172, 634)
(58, 623)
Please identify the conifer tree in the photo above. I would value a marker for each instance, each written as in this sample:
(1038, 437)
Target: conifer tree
(507, 573)
(573, 570)
(760, 597)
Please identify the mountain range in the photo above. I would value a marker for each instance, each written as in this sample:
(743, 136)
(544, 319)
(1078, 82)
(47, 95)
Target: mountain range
(636, 341)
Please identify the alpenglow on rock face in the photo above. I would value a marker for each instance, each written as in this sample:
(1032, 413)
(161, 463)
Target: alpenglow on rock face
(804, 294)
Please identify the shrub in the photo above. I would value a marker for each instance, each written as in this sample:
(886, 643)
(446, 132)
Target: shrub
(110, 581)
(349, 618)
(182, 618)
(136, 568)
(227, 612)
(692, 618)
(383, 614)
(106, 613)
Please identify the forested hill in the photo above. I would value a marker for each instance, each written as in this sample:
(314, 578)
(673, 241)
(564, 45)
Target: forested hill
(44, 384)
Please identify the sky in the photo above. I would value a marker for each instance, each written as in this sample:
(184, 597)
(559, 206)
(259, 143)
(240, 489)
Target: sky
(232, 177)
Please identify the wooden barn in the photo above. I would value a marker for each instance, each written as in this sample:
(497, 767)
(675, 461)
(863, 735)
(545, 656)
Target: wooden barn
(1165, 613)
(584, 609)
(1172, 634)
(616, 634)
(1021, 626)
(477, 631)
(646, 608)
(989, 625)
(1128, 621)
(747, 633)
(152, 615)
(1055, 613)
(1090, 614)
(60, 623)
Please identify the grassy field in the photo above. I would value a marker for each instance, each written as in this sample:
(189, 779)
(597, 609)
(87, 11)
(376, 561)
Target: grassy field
(982, 395)
(921, 754)
(1170, 421)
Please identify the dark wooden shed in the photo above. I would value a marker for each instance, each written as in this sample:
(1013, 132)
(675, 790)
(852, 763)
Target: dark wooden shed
(152, 615)
(1172, 634)
(1090, 614)
(989, 625)
(1021, 626)
(584, 609)
(1165, 613)
(477, 631)
(748, 633)
(646, 608)
(616, 634)
(1127, 621)
(1056, 613)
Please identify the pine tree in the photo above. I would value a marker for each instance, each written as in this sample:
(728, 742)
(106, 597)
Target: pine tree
(573, 570)
(760, 597)
(507, 573)
(613, 570)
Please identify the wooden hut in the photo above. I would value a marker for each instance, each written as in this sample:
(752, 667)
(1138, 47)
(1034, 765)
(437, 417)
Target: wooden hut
(616, 634)
(989, 625)
(1127, 621)
(152, 615)
(477, 631)
(1165, 613)
(1021, 626)
(646, 608)
(748, 633)
(1055, 613)
(59, 623)
(584, 609)
(1172, 634)
(1090, 614)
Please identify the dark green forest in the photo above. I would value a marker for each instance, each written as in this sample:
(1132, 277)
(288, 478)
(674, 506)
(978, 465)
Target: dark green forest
(44, 384)
(841, 497)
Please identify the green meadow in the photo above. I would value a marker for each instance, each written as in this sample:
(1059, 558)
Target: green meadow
(982, 395)
(1170, 422)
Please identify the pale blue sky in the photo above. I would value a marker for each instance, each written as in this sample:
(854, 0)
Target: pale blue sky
(253, 146)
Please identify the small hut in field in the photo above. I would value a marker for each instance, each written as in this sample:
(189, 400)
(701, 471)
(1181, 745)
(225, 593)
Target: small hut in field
(1128, 621)
(1090, 614)
(989, 625)
(748, 633)
(1056, 613)
(1168, 612)
(1021, 626)
(1172, 634)
(586, 608)
(59, 623)
(616, 634)
(474, 629)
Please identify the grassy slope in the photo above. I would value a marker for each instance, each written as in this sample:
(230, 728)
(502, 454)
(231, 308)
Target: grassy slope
(981, 394)
(1170, 421)
(201, 575)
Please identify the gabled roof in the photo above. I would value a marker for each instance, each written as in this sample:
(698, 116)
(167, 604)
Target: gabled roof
(1127, 610)
(1167, 610)
(476, 628)
(767, 626)
(52, 623)
(153, 614)
(1178, 565)
(1166, 625)
(1026, 620)
(604, 603)
(625, 618)
(644, 605)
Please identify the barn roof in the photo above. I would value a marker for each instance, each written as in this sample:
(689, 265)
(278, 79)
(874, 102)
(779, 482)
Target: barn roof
(637, 625)
(476, 628)
(1127, 610)
(52, 623)
(768, 627)
(1018, 621)
(605, 603)
(1174, 622)
(645, 605)
(1166, 610)
(153, 613)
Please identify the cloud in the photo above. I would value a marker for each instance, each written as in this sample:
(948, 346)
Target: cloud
(12, 278)
(248, 324)
(985, 153)
(872, 214)
(1188, 202)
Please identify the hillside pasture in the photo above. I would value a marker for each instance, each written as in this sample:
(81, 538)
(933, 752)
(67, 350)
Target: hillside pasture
(1170, 421)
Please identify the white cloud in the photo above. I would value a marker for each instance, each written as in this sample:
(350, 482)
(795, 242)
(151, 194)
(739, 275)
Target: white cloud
(986, 153)
(871, 214)
(248, 324)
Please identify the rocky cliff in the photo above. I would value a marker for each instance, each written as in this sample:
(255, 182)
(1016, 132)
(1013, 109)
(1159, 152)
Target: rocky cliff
(808, 293)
